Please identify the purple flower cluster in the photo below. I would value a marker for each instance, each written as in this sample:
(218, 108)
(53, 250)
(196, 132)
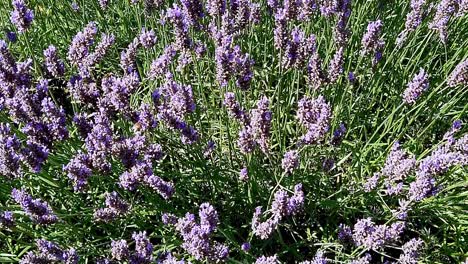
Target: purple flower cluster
(21, 16)
(38, 210)
(232, 63)
(115, 207)
(372, 43)
(416, 87)
(297, 48)
(362, 260)
(6, 219)
(318, 259)
(98, 143)
(411, 251)
(180, 23)
(10, 157)
(290, 161)
(234, 108)
(335, 68)
(315, 74)
(413, 20)
(267, 260)
(175, 101)
(81, 43)
(143, 250)
(338, 135)
(371, 236)
(79, 169)
(445, 10)
(257, 131)
(452, 153)
(282, 206)
(315, 115)
(107, 40)
(197, 236)
(147, 38)
(50, 252)
(160, 66)
(398, 167)
(459, 75)
(52, 63)
(128, 56)
(142, 173)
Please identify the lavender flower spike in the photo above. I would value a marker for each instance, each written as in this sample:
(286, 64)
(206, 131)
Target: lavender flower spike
(52, 63)
(21, 16)
(290, 161)
(39, 211)
(416, 87)
(459, 75)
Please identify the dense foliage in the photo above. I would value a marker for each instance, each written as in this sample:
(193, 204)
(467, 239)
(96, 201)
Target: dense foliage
(306, 131)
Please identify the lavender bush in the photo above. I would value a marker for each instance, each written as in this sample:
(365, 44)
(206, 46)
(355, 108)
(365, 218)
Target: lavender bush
(240, 131)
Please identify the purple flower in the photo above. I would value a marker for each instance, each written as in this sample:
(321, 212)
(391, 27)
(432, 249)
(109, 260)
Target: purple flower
(372, 43)
(197, 237)
(245, 246)
(128, 57)
(362, 260)
(209, 149)
(338, 135)
(234, 107)
(147, 38)
(372, 182)
(315, 75)
(315, 115)
(411, 250)
(83, 124)
(160, 66)
(6, 219)
(49, 252)
(143, 248)
(413, 20)
(104, 4)
(38, 210)
(11, 36)
(99, 52)
(9, 153)
(449, 154)
(115, 207)
(298, 48)
(459, 75)
(192, 11)
(416, 87)
(165, 189)
(445, 10)
(177, 18)
(290, 161)
(267, 260)
(146, 119)
(119, 250)
(261, 123)
(79, 48)
(216, 8)
(34, 155)
(282, 206)
(371, 236)
(75, 6)
(335, 69)
(99, 143)
(52, 63)
(244, 174)
(345, 234)
(21, 16)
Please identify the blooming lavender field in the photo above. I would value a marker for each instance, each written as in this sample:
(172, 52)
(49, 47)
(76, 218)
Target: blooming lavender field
(190, 131)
